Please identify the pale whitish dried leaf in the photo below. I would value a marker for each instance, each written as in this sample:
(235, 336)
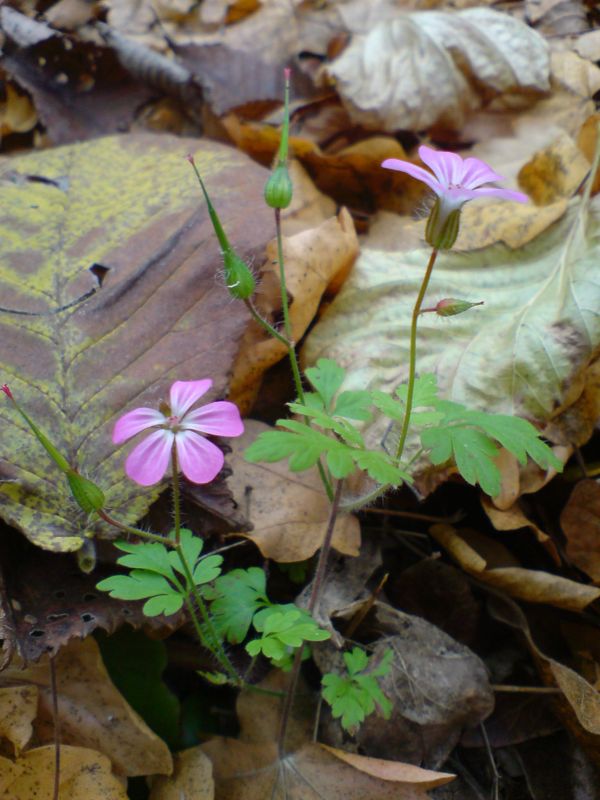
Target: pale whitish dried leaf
(435, 67)
(289, 510)
(525, 351)
(92, 712)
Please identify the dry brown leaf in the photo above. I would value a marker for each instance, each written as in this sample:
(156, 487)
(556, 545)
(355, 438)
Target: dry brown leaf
(84, 775)
(251, 768)
(18, 709)
(510, 519)
(583, 699)
(17, 114)
(580, 521)
(588, 141)
(92, 712)
(588, 45)
(554, 173)
(316, 260)
(429, 68)
(557, 17)
(575, 74)
(353, 175)
(191, 779)
(309, 206)
(489, 561)
(289, 510)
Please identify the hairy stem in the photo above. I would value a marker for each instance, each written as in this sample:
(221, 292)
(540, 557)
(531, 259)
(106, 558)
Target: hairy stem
(151, 537)
(413, 353)
(315, 595)
(215, 646)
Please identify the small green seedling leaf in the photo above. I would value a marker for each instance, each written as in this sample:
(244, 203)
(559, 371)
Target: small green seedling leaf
(282, 630)
(353, 697)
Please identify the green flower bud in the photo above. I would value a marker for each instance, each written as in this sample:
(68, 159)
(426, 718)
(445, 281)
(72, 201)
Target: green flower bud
(239, 278)
(87, 494)
(450, 306)
(279, 189)
(443, 224)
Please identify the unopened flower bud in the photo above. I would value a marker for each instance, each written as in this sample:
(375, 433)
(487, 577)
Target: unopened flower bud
(279, 189)
(88, 496)
(240, 280)
(450, 306)
(443, 224)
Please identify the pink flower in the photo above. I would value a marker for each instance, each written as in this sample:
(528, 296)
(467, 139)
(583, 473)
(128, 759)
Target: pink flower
(179, 428)
(454, 181)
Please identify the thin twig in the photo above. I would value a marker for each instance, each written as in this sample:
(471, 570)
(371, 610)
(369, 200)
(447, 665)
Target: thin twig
(54, 691)
(312, 603)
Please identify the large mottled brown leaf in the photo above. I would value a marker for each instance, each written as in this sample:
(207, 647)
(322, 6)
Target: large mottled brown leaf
(129, 207)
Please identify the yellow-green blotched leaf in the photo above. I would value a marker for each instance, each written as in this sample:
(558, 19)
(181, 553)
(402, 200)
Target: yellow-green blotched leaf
(129, 205)
(525, 351)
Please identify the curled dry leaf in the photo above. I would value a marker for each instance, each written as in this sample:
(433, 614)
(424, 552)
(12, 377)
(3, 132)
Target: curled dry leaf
(580, 521)
(582, 698)
(18, 709)
(491, 562)
(351, 175)
(316, 260)
(289, 510)
(91, 711)
(434, 67)
(84, 774)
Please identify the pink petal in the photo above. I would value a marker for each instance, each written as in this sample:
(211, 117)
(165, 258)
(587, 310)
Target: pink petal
(477, 172)
(183, 394)
(135, 421)
(505, 194)
(448, 167)
(414, 171)
(149, 460)
(220, 418)
(199, 459)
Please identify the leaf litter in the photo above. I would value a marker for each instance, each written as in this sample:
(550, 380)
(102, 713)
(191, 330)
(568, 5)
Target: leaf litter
(523, 100)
